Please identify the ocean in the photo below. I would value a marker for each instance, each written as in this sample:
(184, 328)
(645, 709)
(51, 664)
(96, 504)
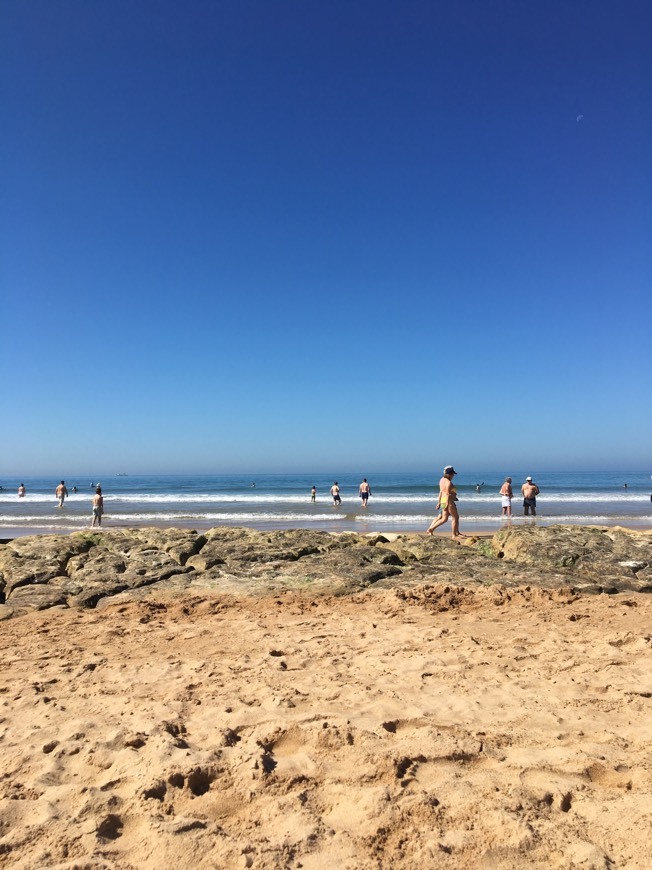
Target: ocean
(399, 502)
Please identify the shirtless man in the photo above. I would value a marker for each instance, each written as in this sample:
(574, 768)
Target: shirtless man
(365, 492)
(61, 492)
(335, 492)
(21, 491)
(446, 504)
(98, 507)
(530, 492)
(507, 493)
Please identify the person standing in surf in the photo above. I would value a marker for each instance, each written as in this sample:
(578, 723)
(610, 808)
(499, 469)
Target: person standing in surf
(98, 507)
(530, 492)
(506, 494)
(364, 492)
(61, 493)
(446, 503)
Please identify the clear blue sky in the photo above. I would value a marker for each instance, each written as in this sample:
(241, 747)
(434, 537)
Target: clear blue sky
(242, 235)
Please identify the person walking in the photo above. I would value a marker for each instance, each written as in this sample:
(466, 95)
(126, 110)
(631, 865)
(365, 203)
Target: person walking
(21, 491)
(364, 492)
(61, 492)
(530, 492)
(507, 494)
(98, 507)
(446, 503)
(313, 494)
(335, 492)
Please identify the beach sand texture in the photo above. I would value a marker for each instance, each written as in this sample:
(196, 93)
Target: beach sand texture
(411, 727)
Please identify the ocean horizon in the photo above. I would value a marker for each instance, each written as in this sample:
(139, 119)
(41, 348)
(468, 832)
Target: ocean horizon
(399, 502)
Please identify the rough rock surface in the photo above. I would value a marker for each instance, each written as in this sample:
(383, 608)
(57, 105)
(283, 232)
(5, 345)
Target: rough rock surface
(611, 559)
(88, 569)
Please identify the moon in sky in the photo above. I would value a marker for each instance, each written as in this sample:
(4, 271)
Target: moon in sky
(579, 118)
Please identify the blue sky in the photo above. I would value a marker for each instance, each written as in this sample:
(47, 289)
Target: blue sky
(254, 236)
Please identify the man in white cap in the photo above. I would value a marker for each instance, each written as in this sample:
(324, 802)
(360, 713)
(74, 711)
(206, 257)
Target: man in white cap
(446, 504)
(530, 492)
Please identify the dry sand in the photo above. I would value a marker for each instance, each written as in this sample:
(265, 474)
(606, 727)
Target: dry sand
(418, 729)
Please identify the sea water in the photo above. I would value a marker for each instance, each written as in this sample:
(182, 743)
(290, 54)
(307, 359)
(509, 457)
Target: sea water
(399, 502)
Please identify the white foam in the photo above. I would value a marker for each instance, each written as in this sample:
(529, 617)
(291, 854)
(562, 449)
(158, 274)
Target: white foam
(389, 519)
(42, 498)
(53, 519)
(204, 498)
(156, 517)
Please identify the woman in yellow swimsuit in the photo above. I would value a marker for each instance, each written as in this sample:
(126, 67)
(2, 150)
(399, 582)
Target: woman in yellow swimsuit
(446, 504)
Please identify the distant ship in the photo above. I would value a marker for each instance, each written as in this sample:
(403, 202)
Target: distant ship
(121, 474)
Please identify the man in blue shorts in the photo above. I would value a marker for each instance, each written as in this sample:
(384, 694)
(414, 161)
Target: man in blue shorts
(365, 492)
(530, 492)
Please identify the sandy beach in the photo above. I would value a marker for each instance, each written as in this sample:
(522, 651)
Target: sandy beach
(288, 286)
(414, 725)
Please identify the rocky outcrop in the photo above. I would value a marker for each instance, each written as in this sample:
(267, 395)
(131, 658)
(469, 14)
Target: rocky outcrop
(610, 559)
(89, 569)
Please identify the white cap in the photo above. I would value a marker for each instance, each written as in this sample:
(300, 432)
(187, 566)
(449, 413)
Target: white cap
(528, 478)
